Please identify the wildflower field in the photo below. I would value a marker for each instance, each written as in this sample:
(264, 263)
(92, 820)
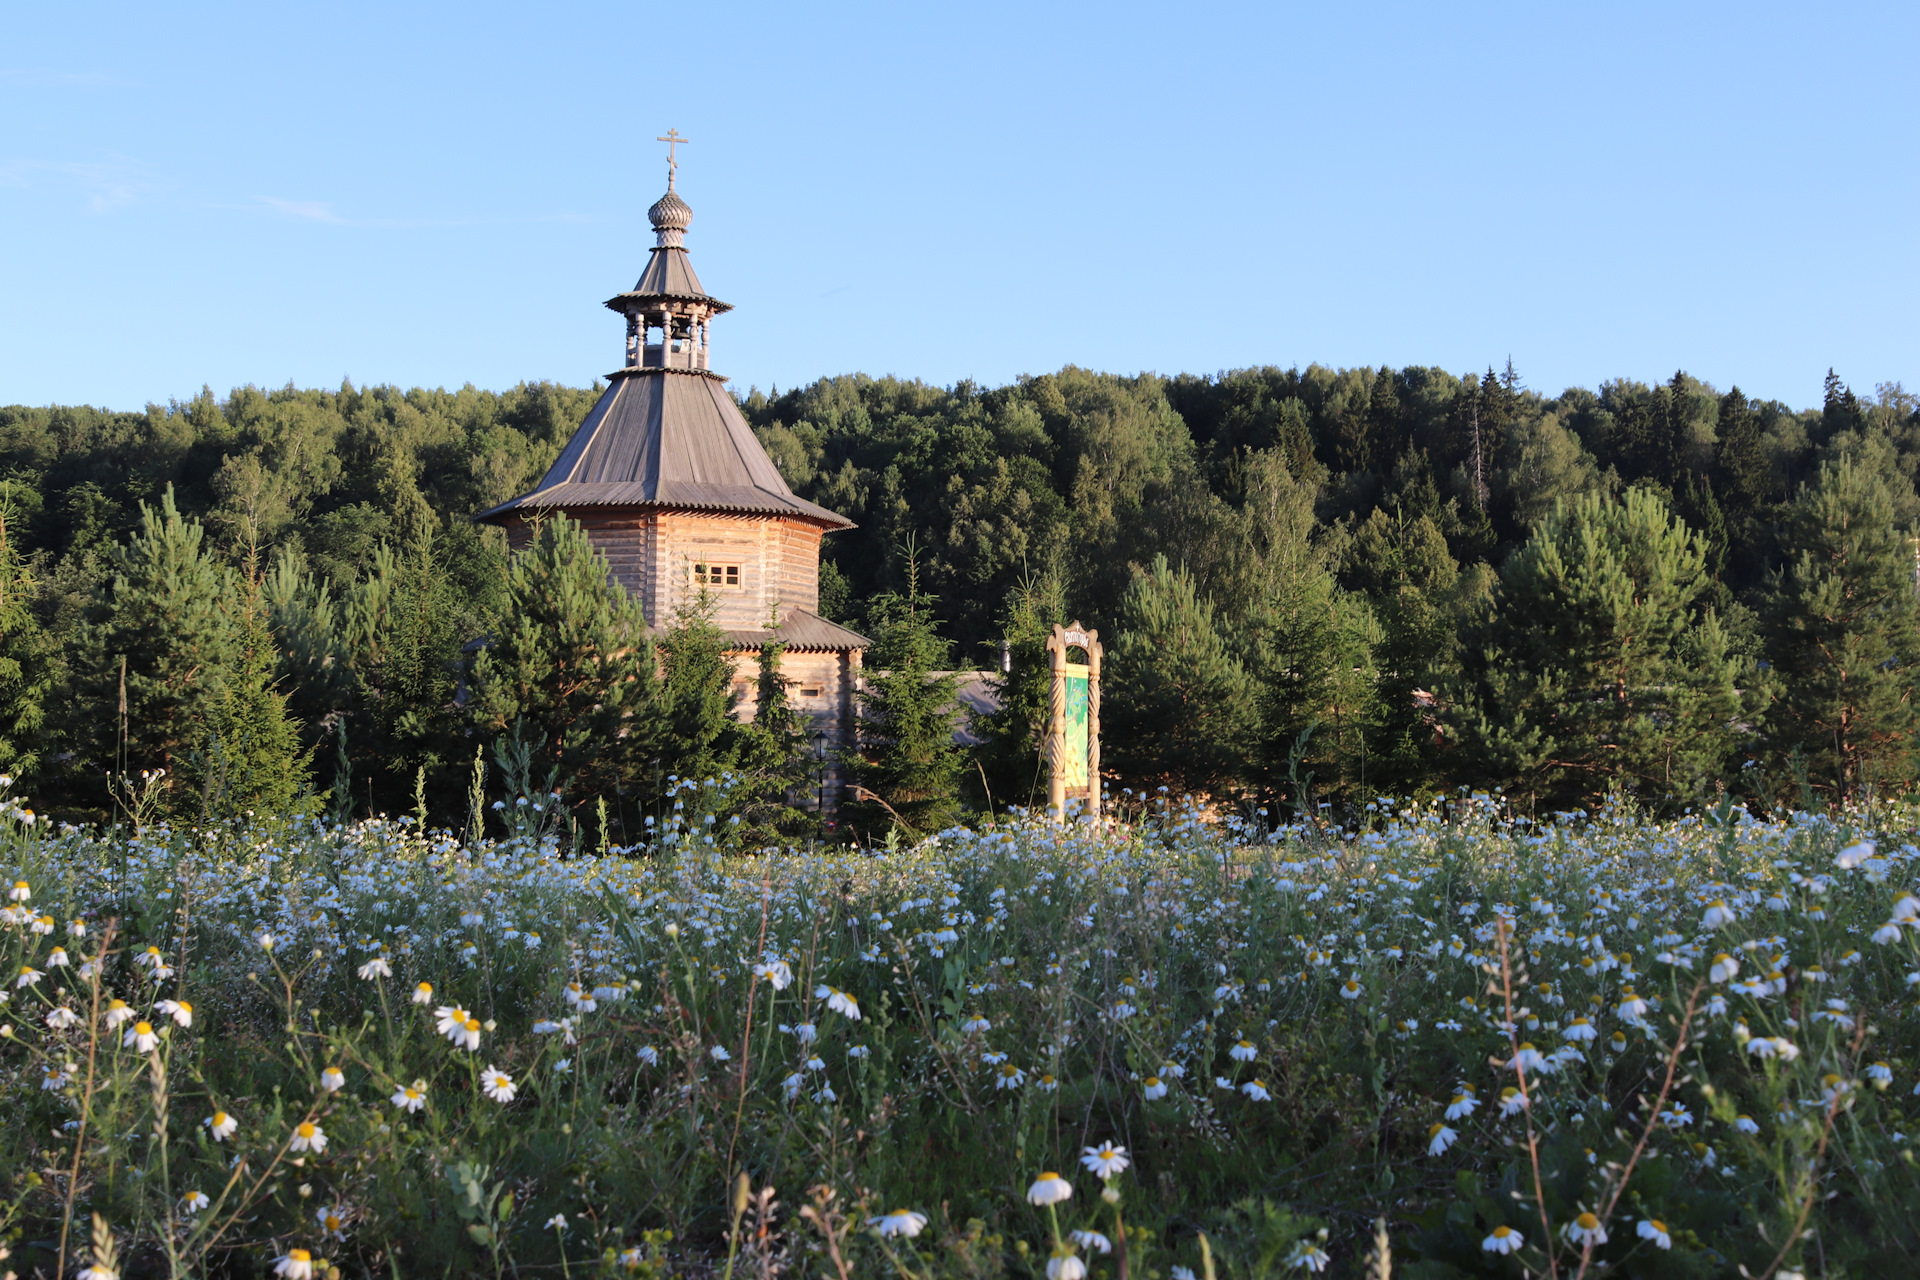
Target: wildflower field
(1446, 1043)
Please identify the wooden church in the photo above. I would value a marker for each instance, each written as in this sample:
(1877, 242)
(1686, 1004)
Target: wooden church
(671, 486)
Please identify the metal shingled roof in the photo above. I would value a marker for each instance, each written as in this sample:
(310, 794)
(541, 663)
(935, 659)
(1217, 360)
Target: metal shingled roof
(802, 630)
(667, 438)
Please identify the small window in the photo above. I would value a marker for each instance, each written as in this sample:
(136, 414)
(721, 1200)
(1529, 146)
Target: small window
(716, 575)
(809, 693)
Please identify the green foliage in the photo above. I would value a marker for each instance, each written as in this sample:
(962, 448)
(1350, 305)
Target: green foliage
(698, 737)
(1840, 614)
(572, 662)
(909, 712)
(1176, 701)
(1012, 753)
(27, 657)
(1596, 668)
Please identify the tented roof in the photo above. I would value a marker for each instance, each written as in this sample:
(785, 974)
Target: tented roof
(669, 274)
(667, 438)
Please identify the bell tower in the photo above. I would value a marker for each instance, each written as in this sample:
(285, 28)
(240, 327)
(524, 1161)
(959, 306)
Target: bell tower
(671, 485)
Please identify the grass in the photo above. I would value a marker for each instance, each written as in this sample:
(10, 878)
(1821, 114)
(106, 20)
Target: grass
(692, 1059)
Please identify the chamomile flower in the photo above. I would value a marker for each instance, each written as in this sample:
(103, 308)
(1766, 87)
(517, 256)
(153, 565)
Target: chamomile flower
(423, 993)
(497, 1084)
(179, 1010)
(118, 1011)
(468, 1036)
(1257, 1090)
(1065, 1265)
(375, 968)
(1529, 1059)
(1512, 1102)
(1655, 1230)
(20, 892)
(410, 1097)
(1586, 1230)
(1463, 1105)
(194, 1201)
(1049, 1188)
(1580, 1031)
(900, 1222)
(332, 1080)
(449, 1020)
(1439, 1138)
(1105, 1161)
(332, 1221)
(1243, 1051)
(29, 977)
(141, 1036)
(221, 1125)
(308, 1136)
(295, 1264)
(61, 1018)
(1724, 968)
(1154, 1088)
(838, 1001)
(1502, 1240)
(1009, 1077)
(1718, 915)
(1091, 1241)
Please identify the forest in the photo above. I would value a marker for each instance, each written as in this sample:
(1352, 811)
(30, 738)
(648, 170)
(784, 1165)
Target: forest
(1316, 586)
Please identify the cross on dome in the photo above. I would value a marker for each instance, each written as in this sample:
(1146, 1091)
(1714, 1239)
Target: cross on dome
(673, 139)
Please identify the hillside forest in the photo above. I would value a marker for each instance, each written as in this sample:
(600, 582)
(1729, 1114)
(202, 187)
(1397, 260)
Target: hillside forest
(1316, 586)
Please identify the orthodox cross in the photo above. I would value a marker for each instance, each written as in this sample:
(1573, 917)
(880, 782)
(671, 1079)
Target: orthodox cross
(672, 139)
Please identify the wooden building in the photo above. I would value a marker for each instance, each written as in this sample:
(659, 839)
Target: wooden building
(672, 487)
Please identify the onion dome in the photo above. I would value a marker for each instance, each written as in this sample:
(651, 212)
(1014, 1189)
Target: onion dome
(670, 217)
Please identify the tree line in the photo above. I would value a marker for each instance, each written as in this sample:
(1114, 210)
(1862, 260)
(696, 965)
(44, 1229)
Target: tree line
(1315, 586)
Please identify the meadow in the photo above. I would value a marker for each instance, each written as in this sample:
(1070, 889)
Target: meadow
(1440, 1041)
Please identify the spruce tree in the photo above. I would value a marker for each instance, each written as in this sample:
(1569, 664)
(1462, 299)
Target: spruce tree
(1401, 562)
(1013, 737)
(699, 737)
(773, 751)
(571, 668)
(27, 656)
(1597, 668)
(167, 636)
(1176, 704)
(251, 759)
(910, 710)
(1840, 619)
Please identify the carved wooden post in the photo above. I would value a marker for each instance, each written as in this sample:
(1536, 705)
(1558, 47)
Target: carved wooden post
(1057, 726)
(1061, 759)
(1094, 652)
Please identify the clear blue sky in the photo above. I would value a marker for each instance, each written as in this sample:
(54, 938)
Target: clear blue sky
(441, 194)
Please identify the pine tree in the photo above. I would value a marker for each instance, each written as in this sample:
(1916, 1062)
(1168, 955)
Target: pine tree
(1840, 617)
(1596, 669)
(911, 709)
(1176, 702)
(571, 668)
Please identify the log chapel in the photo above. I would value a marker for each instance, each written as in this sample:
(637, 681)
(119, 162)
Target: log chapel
(671, 486)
